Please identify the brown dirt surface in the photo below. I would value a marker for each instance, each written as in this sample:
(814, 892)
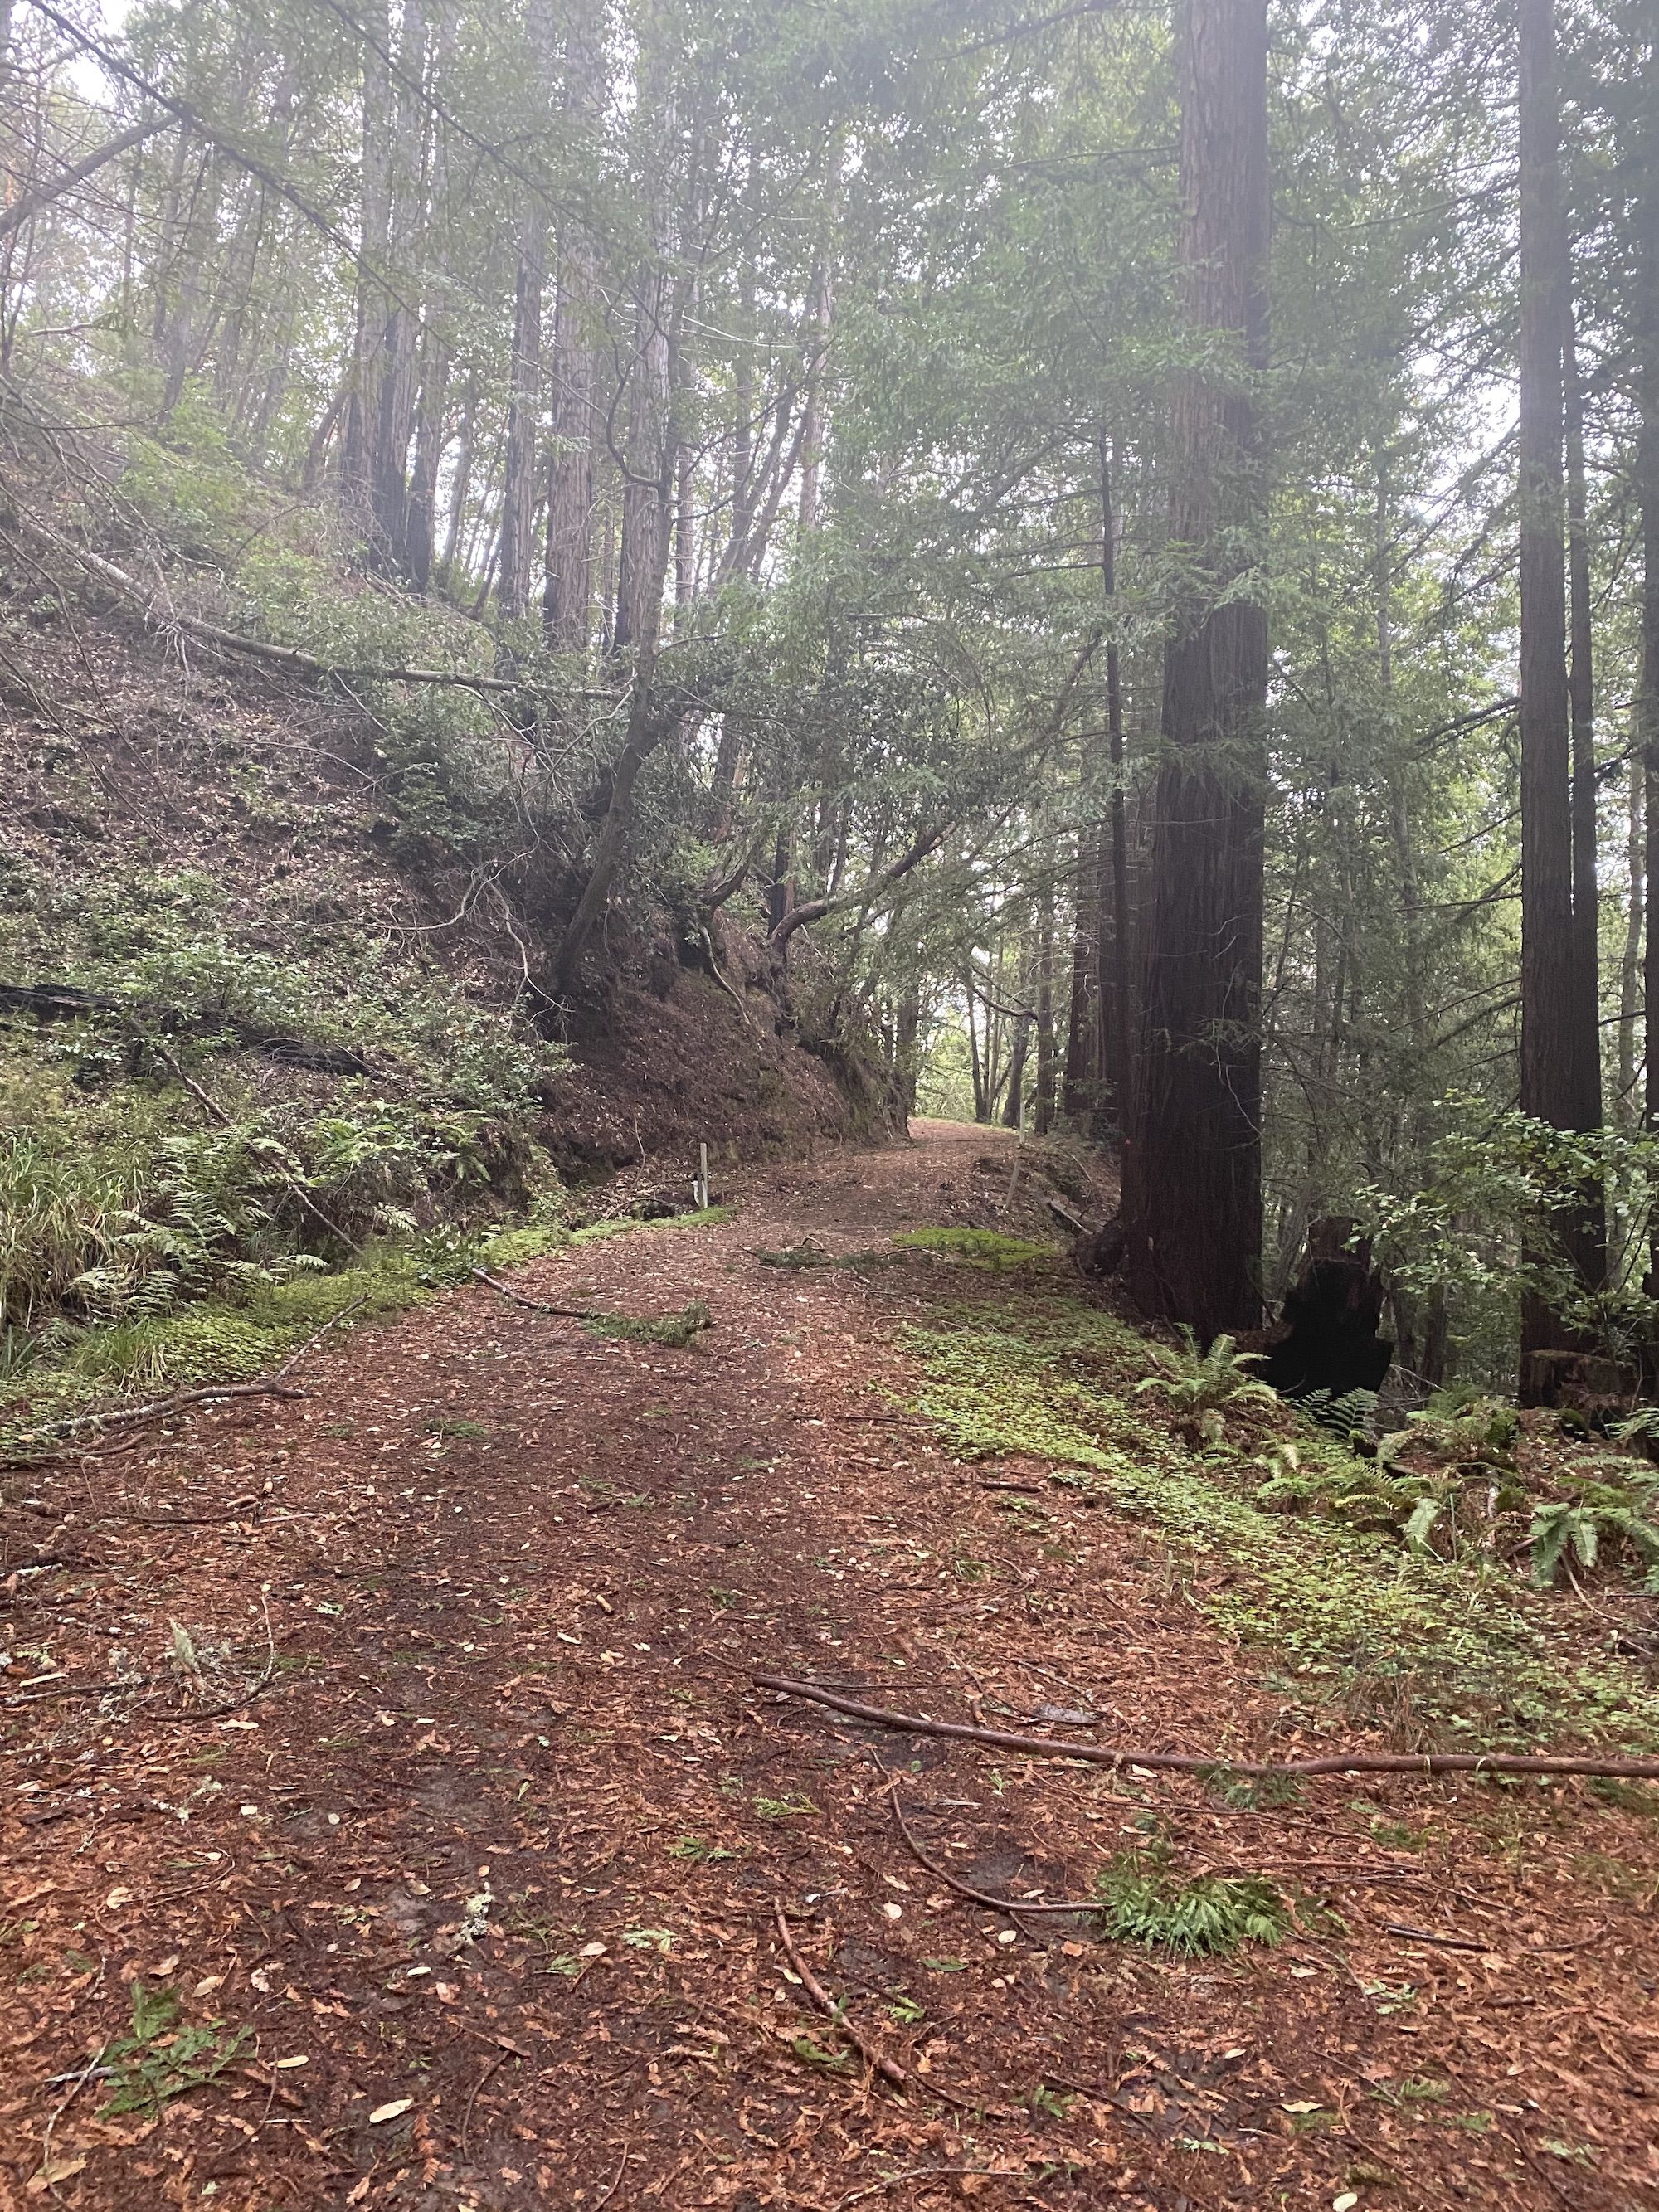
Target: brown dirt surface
(451, 1796)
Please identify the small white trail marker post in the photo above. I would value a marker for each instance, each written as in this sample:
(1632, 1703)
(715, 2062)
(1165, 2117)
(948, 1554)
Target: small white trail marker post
(703, 1177)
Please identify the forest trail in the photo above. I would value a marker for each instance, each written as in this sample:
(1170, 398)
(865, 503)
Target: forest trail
(487, 1878)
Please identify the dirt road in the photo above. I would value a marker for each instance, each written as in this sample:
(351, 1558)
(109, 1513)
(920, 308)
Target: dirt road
(475, 1903)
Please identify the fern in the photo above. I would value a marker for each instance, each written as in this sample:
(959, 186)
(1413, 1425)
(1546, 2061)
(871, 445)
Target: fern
(1142, 1902)
(1197, 1383)
(1576, 1527)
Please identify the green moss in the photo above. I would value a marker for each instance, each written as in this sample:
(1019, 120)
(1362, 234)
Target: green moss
(215, 1341)
(677, 1328)
(513, 1247)
(975, 1247)
(1353, 1614)
(706, 1217)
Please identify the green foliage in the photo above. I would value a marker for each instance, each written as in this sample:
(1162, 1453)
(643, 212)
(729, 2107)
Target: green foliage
(975, 1247)
(675, 1329)
(1333, 1593)
(1480, 1221)
(1204, 1387)
(1143, 1900)
(808, 1254)
(160, 2059)
(1581, 1527)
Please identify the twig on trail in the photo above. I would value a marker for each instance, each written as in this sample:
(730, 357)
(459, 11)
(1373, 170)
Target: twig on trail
(889, 2069)
(537, 1305)
(248, 1696)
(604, 2197)
(94, 2065)
(82, 1689)
(1426, 1763)
(1427, 1935)
(316, 1336)
(500, 2059)
(928, 2173)
(877, 2062)
(1011, 1905)
(158, 1408)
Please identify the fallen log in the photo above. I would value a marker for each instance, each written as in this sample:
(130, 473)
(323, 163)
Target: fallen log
(1427, 1762)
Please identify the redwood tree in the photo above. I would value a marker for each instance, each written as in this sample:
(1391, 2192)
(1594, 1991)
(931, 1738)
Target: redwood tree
(1193, 1165)
(1558, 1036)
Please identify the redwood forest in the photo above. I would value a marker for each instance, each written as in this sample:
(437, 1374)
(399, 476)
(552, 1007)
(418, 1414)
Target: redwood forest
(828, 1165)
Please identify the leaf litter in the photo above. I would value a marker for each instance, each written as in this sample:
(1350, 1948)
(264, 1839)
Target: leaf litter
(514, 1855)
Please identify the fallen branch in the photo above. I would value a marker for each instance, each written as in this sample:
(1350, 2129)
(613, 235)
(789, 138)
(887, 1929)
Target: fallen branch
(537, 1305)
(878, 2060)
(1426, 1763)
(121, 1416)
(1427, 1935)
(316, 1338)
(287, 657)
(1013, 1906)
(28, 205)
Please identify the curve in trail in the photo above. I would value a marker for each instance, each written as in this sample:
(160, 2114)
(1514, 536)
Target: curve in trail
(489, 1883)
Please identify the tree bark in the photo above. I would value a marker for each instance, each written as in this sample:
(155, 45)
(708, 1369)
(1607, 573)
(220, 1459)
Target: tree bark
(1084, 1010)
(1043, 1112)
(1117, 1006)
(1552, 1012)
(1193, 1170)
(1647, 711)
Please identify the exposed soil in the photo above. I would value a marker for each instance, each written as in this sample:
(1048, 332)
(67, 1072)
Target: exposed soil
(495, 1853)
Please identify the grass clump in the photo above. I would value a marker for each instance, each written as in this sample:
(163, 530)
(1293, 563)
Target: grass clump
(675, 1329)
(1143, 1900)
(975, 1247)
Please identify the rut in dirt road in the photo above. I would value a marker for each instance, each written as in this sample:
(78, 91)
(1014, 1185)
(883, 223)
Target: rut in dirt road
(477, 1901)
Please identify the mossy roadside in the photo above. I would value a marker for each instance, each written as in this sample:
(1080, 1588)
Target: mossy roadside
(1459, 1654)
(228, 1340)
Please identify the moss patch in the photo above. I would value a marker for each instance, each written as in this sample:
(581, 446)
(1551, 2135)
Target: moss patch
(1352, 1614)
(975, 1247)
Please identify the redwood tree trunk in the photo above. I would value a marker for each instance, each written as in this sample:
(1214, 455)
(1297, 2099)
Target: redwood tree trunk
(1193, 1168)
(1647, 721)
(1553, 1013)
(568, 598)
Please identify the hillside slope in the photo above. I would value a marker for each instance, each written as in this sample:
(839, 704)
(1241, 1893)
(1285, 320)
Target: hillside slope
(267, 994)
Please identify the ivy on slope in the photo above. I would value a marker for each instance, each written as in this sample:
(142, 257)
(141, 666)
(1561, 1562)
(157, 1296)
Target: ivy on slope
(1468, 1646)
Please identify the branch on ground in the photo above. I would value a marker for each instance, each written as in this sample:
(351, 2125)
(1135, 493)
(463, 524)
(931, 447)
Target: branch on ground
(1170, 1762)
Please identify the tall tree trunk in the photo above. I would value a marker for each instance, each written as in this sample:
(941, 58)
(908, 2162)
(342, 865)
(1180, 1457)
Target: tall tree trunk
(1551, 987)
(1117, 1005)
(429, 442)
(1647, 714)
(362, 401)
(1084, 1011)
(818, 309)
(1043, 1116)
(1628, 1108)
(1586, 938)
(641, 561)
(1192, 1170)
(463, 484)
(523, 412)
